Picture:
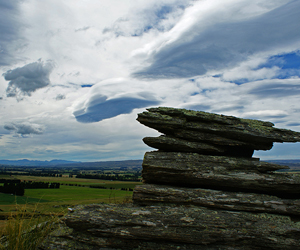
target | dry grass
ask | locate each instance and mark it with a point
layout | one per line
(26, 230)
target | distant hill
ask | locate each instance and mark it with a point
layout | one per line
(293, 164)
(137, 164)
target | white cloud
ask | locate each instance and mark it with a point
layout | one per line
(129, 55)
(266, 113)
(214, 37)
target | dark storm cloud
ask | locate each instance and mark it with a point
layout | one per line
(28, 79)
(225, 44)
(9, 30)
(24, 128)
(101, 109)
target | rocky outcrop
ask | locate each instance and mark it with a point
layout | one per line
(234, 136)
(203, 190)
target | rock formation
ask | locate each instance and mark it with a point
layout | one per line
(203, 190)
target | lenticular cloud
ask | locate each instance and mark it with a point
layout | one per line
(102, 108)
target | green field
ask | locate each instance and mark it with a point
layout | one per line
(7, 199)
(78, 195)
(72, 192)
(65, 194)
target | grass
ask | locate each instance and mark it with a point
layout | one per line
(6, 199)
(24, 226)
(25, 231)
(77, 195)
(58, 200)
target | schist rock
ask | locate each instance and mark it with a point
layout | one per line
(234, 136)
(152, 194)
(218, 172)
(202, 190)
(127, 226)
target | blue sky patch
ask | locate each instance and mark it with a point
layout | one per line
(288, 63)
(285, 61)
(163, 11)
(86, 85)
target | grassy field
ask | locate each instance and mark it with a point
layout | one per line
(57, 201)
(85, 182)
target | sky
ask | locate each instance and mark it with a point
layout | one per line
(75, 74)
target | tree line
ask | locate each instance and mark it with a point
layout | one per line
(116, 177)
(16, 187)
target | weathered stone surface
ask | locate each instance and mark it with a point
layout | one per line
(174, 227)
(151, 194)
(195, 125)
(198, 160)
(217, 172)
(168, 143)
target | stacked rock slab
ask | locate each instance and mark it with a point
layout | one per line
(202, 190)
(205, 160)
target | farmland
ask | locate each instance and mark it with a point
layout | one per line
(72, 191)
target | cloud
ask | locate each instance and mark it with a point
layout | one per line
(158, 16)
(60, 97)
(25, 128)
(267, 113)
(197, 107)
(100, 108)
(223, 39)
(277, 89)
(9, 30)
(226, 56)
(113, 97)
(27, 79)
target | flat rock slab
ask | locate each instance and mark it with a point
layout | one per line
(151, 194)
(218, 172)
(195, 125)
(173, 144)
(127, 226)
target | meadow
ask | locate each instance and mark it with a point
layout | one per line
(72, 192)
